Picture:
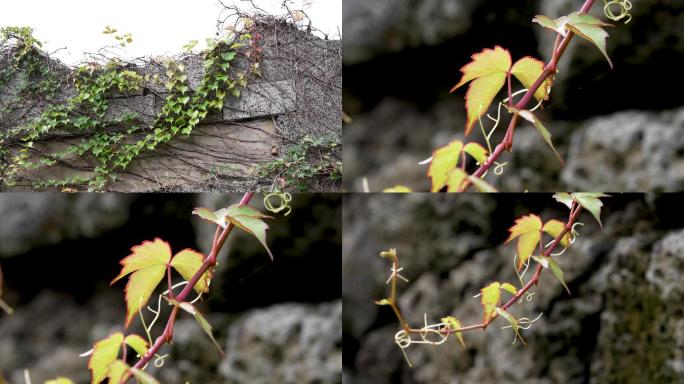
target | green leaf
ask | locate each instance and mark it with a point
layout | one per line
(481, 185)
(249, 220)
(527, 70)
(547, 22)
(443, 161)
(488, 71)
(184, 100)
(143, 377)
(203, 323)
(207, 214)
(510, 288)
(59, 380)
(137, 343)
(187, 262)
(491, 295)
(455, 180)
(554, 228)
(546, 135)
(397, 189)
(477, 151)
(118, 372)
(564, 198)
(147, 263)
(550, 263)
(105, 352)
(512, 321)
(590, 201)
(528, 231)
(589, 28)
(453, 323)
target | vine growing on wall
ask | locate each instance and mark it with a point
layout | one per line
(112, 141)
(533, 251)
(492, 70)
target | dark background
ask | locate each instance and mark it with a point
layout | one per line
(620, 324)
(401, 58)
(66, 265)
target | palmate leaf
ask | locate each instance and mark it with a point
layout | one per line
(137, 343)
(491, 295)
(444, 159)
(527, 230)
(105, 353)
(147, 265)
(554, 228)
(453, 323)
(118, 372)
(488, 71)
(564, 198)
(582, 24)
(591, 202)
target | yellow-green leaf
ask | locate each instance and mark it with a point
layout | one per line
(249, 220)
(207, 214)
(510, 288)
(545, 134)
(453, 323)
(443, 161)
(590, 201)
(549, 23)
(491, 295)
(187, 262)
(481, 185)
(105, 352)
(550, 263)
(477, 151)
(593, 33)
(143, 377)
(564, 198)
(118, 372)
(137, 343)
(528, 231)
(147, 254)
(383, 302)
(554, 228)
(455, 180)
(59, 380)
(203, 323)
(488, 71)
(512, 320)
(397, 189)
(527, 70)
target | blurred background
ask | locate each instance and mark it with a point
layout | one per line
(623, 322)
(618, 130)
(277, 321)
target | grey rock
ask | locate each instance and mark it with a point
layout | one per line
(261, 100)
(35, 220)
(286, 343)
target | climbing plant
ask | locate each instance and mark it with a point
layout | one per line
(532, 251)
(492, 70)
(112, 141)
(188, 274)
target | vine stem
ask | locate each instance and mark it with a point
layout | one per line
(574, 213)
(549, 70)
(209, 262)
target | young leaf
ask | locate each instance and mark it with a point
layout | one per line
(147, 263)
(397, 189)
(105, 352)
(481, 185)
(544, 261)
(589, 28)
(528, 229)
(564, 198)
(546, 135)
(444, 159)
(557, 272)
(491, 295)
(477, 151)
(137, 343)
(118, 372)
(59, 380)
(203, 323)
(512, 321)
(187, 262)
(143, 377)
(488, 71)
(217, 217)
(590, 201)
(510, 288)
(554, 228)
(453, 323)
(455, 179)
(383, 302)
(527, 70)
(249, 220)
(549, 23)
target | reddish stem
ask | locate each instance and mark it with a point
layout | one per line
(549, 70)
(209, 262)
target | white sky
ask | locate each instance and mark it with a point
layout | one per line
(158, 26)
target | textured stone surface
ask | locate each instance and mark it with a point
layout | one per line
(261, 100)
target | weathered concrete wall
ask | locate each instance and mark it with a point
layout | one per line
(298, 93)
